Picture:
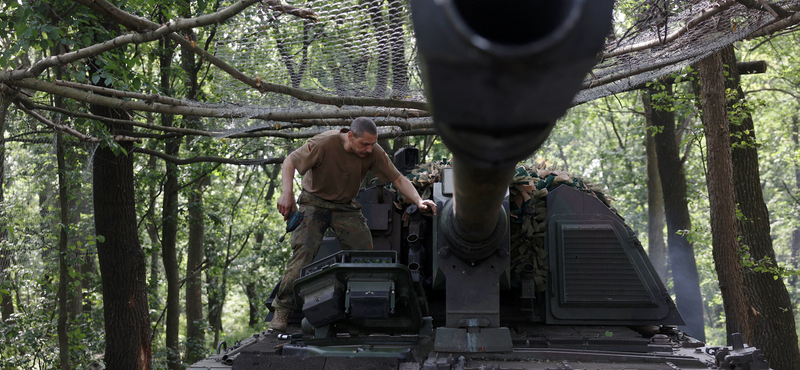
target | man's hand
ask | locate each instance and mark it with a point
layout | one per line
(286, 204)
(427, 205)
(404, 186)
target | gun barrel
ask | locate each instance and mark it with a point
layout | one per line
(498, 74)
(475, 221)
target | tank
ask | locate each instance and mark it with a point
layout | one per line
(415, 303)
(460, 290)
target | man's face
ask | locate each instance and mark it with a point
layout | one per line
(362, 145)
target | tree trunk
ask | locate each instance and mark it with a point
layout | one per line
(773, 310)
(88, 269)
(63, 239)
(252, 300)
(152, 233)
(169, 223)
(83, 258)
(379, 29)
(70, 298)
(69, 294)
(169, 254)
(221, 296)
(676, 210)
(295, 71)
(399, 64)
(722, 205)
(795, 251)
(214, 293)
(122, 260)
(250, 288)
(152, 285)
(656, 248)
(195, 335)
(6, 304)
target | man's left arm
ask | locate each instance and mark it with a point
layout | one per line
(405, 187)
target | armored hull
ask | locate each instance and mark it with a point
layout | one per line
(603, 307)
(461, 290)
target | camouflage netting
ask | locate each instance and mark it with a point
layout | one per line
(350, 48)
(527, 203)
(668, 36)
(425, 174)
(287, 68)
(366, 48)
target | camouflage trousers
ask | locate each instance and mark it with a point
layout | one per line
(347, 223)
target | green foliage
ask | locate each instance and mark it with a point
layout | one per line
(33, 329)
(602, 140)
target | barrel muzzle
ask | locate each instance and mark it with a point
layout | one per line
(498, 74)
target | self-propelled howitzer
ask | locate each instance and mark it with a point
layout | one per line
(441, 292)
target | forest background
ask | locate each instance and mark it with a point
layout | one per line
(142, 140)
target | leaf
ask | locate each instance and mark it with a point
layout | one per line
(8, 230)
(213, 216)
(20, 28)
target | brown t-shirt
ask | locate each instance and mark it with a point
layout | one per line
(333, 174)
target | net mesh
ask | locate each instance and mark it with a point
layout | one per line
(366, 48)
(347, 49)
(351, 49)
(665, 39)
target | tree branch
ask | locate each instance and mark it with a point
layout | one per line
(422, 127)
(123, 94)
(276, 5)
(704, 15)
(778, 24)
(251, 162)
(27, 141)
(132, 38)
(70, 130)
(614, 125)
(744, 68)
(776, 10)
(198, 269)
(797, 202)
(138, 23)
(773, 89)
(205, 110)
(200, 159)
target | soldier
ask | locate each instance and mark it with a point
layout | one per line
(334, 164)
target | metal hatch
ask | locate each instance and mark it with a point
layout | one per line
(599, 272)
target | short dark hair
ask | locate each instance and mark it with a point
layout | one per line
(362, 125)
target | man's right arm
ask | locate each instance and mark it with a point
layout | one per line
(286, 202)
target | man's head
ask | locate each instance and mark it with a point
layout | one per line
(362, 136)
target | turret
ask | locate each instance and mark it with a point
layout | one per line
(498, 74)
